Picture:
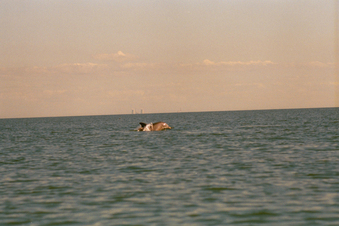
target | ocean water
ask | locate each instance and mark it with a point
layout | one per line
(272, 167)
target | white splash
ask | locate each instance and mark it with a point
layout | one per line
(148, 127)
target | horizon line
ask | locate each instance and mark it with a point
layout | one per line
(174, 112)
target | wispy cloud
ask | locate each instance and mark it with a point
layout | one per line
(228, 65)
(80, 68)
(207, 62)
(117, 57)
(318, 64)
(123, 66)
(74, 68)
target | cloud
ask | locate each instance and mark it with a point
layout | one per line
(80, 68)
(237, 63)
(126, 67)
(75, 89)
(227, 65)
(319, 64)
(117, 57)
(208, 65)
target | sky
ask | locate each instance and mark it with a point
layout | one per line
(103, 57)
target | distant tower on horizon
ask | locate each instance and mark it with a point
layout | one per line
(133, 111)
(142, 111)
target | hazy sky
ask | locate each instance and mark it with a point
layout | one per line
(93, 57)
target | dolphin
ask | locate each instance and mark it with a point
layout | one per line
(154, 126)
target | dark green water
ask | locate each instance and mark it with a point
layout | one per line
(278, 167)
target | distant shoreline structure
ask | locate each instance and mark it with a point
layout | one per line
(173, 112)
(135, 112)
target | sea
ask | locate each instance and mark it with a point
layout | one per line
(263, 167)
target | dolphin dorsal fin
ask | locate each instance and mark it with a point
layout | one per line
(142, 124)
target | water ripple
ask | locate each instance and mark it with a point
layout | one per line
(215, 168)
